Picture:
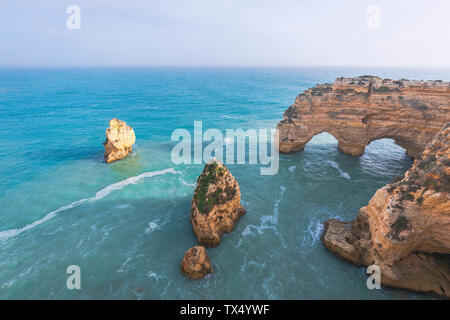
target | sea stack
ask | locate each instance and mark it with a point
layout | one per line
(405, 228)
(119, 140)
(216, 205)
(359, 110)
(195, 264)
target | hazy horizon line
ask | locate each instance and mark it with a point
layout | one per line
(225, 66)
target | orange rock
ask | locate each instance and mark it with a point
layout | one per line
(337, 237)
(195, 264)
(359, 110)
(119, 140)
(405, 228)
(216, 205)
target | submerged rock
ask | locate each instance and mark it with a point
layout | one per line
(216, 205)
(195, 264)
(119, 140)
(405, 228)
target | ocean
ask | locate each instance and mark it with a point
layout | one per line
(126, 224)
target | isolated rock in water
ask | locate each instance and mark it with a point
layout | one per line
(119, 140)
(405, 229)
(195, 264)
(359, 110)
(216, 205)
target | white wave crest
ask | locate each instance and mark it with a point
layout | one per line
(152, 226)
(313, 232)
(230, 117)
(267, 221)
(7, 234)
(342, 173)
(186, 183)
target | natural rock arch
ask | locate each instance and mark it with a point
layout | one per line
(357, 111)
(335, 140)
(379, 143)
(353, 143)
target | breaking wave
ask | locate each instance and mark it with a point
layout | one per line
(342, 173)
(4, 235)
(267, 221)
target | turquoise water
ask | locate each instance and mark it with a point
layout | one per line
(61, 205)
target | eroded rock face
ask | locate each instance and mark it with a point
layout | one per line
(216, 205)
(405, 229)
(119, 140)
(195, 264)
(359, 110)
(337, 237)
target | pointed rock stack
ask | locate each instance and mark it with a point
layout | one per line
(216, 206)
(119, 140)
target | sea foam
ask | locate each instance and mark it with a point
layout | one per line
(7, 234)
(267, 221)
(342, 173)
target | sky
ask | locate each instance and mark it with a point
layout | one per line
(226, 33)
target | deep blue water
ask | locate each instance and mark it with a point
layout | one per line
(129, 238)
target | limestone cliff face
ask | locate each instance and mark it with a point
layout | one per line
(359, 110)
(196, 264)
(216, 205)
(119, 140)
(405, 229)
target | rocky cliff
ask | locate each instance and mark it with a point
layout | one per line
(405, 228)
(359, 110)
(119, 140)
(216, 205)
